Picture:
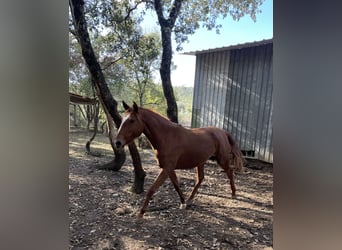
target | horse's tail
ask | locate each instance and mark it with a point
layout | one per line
(237, 154)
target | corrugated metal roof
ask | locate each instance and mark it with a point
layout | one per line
(237, 46)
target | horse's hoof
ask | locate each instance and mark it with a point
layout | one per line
(140, 215)
(182, 206)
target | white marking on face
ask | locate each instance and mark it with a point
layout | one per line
(123, 121)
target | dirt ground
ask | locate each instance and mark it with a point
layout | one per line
(102, 209)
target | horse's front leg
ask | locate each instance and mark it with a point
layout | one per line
(163, 175)
(175, 183)
(199, 179)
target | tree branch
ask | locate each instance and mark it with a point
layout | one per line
(159, 10)
(73, 32)
(177, 4)
(111, 63)
(132, 9)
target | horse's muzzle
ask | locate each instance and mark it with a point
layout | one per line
(118, 144)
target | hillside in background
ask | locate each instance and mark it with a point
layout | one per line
(153, 99)
(184, 96)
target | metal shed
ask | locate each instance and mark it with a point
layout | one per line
(233, 91)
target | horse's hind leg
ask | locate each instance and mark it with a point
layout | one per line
(230, 174)
(199, 179)
(175, 183)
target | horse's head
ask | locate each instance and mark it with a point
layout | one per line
(131, 126)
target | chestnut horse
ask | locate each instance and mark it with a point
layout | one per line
(176, 147)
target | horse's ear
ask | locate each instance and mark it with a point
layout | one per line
(125, 105)
(135, 107)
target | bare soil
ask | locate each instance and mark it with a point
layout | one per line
(102, 208)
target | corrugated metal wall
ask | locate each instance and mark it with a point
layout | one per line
(233, 91)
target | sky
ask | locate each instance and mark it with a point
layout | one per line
(231, 33)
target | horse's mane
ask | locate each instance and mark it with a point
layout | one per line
(160, 118)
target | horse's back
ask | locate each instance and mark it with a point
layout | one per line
(217, 134)
(199, 144)
(191, 147)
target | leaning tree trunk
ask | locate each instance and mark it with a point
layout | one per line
(166, 26)
(95, 117)
(102, 126)
(102, 90)
(120, 155)
(96, 121)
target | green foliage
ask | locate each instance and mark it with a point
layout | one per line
(155, 99)
(129, 58)
(196, 13)
(141, 63)
(78, 75)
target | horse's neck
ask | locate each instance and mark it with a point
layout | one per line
(156, 127)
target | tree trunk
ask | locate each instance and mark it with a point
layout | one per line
(102, 127)
(82, 113)
(165, 74)
(96, 121)
(139, 173)
(88, 112)
(120, 155)
(102, 90)
(166, 26)
(75, 116)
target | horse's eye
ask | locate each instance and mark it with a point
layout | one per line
(131, 121)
